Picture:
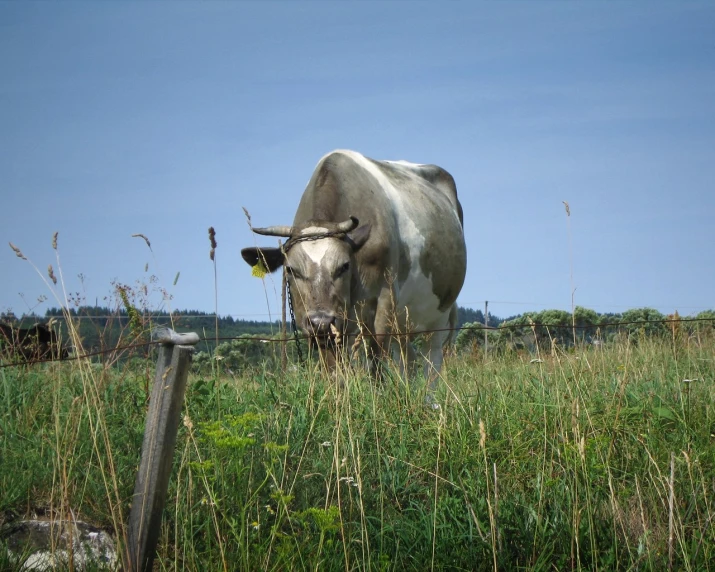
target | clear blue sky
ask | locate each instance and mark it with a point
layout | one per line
(165, 118)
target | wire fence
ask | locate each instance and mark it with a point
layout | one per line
(293, 336)
(474, 305)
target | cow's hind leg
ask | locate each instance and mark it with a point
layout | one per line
(435, 354)
(434, 358)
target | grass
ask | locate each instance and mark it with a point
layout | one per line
(553, 465)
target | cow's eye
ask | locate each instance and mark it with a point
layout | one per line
(294, 273)
(342, 269)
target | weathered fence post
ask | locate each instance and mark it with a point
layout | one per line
(162, 424)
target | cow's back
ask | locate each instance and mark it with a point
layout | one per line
(439, 179)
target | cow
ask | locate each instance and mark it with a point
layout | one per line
(376, 246)
(38, 342)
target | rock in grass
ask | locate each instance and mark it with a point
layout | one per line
(48, 544)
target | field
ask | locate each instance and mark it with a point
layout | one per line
(595, 458)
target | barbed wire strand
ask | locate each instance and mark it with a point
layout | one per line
(477, 327)
(469, 306)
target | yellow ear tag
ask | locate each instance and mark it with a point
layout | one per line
(259, 270)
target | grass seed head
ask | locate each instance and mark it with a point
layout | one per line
(51, 274)
(54, 240)
(337, 336)
(17, 252)
(214, 244)
(140, 235)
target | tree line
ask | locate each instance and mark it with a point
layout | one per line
(234, 344)
(584, 326)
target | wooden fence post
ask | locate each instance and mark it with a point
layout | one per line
(162, 424)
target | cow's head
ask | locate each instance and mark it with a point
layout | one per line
(320, 262)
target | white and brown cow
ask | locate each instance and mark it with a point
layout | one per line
(375, 242)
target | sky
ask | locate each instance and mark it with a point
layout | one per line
(166, 118)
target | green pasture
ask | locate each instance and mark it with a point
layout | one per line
(591, 458)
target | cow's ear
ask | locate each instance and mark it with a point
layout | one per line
(270, 256)
(359, 236)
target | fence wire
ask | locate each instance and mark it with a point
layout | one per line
(296, 336)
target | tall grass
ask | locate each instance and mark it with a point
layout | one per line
(559, 464)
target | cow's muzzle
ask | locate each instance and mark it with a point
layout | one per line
(325, 328)
(319, 323)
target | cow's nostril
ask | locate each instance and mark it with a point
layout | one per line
(320, 322)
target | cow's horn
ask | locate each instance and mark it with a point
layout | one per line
(348, 225)
(274, 231)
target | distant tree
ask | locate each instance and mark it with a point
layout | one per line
(642, 322)
(708, 315)
(554, 325)
(517, 334)
(470, 316)
(8, 317)
(201, 362)
(705, 327)
(587, 322)
(470, 336)
(243, 353)
(585, 317)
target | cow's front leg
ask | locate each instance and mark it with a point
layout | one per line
(435, 356)
(384, 325)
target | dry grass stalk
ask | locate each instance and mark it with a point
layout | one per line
(490, 506)
(671, 502)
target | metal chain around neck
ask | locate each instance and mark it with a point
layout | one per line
(293, 324)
